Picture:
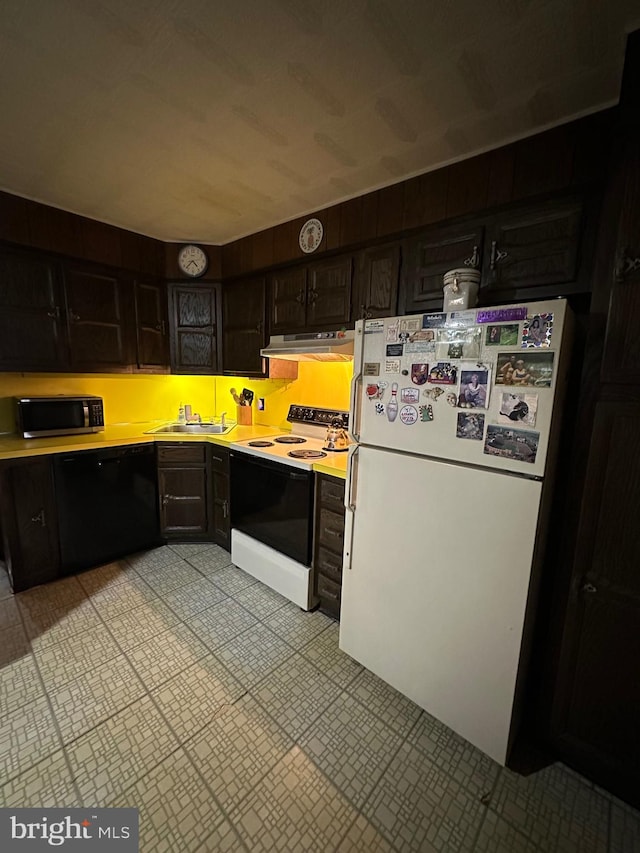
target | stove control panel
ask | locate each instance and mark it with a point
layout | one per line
(317, 417)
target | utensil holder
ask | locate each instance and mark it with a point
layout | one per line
(245, 415)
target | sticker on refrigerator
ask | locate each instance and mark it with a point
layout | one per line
(432, 393)
(371, 368)
(536, 331)
(433, 321)
(451, 398)
(410, 324)
(392, 333)
(533, 368)
(392, 405)
(443, 373)
(375, 390)
(474, 388)
(458, 343)
(518, 408)
(420, 346)
(408, 415)
(518, 444)
(461, 318)
(409, 395)
(379, 408)
(506, 336)
(419, 373)
(424, 335)
(392, 365)
(426, 413)
(470, 425)
(501, 315)
(373, 327)
(394, 349)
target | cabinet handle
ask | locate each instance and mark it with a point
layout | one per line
(166, 499)
(300, 296)
(336, 533)
(624, 265)
(474, 259)
(73, 316)
(589, 587)
(55, 314)
(40, 518)
(313, 296)
(225, 509)
(161, 327)
(363, 312)
(259, 327)
(497, 255)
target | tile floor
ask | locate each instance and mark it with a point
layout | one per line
(175, 683)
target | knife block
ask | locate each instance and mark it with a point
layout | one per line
(245, 415)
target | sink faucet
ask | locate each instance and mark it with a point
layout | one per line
(222, 420)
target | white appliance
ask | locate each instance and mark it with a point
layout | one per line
(457, 418)
(272, 502)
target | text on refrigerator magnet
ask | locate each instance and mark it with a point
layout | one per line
(373, 327)
(501, 315)
(409, 395)
(371, 368)
(433, 321)
(392, 365)
(408, 415)
(394, 350)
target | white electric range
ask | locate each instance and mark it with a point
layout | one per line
(272, 502)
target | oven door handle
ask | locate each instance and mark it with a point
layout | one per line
(280, 467)
(350, 495)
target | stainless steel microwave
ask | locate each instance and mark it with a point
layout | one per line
(38, 417)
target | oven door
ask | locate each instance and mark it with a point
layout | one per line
(273, 503)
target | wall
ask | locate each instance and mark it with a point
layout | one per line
(133, 399)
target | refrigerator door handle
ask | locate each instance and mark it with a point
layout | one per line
(350, 506)
(355, 402)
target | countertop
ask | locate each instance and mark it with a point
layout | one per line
(13, 447)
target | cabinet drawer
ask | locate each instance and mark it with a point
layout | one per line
(332, 494)
(329, 594)
(331, 530)
(329, 564)
(181, 453)
(219, 459)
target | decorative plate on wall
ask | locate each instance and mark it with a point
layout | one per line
(310, 235)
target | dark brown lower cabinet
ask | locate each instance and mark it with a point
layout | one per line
(221, 491)
(29, 522)
(328, 543)
(184, 490)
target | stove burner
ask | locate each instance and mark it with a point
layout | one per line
(306, 454)
(260, 444)
(290, 439)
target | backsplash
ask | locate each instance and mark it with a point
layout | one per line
(140, 398)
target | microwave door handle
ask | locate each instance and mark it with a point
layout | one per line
(351, 493)
(85, 409)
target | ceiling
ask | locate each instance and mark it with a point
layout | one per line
(207, 120)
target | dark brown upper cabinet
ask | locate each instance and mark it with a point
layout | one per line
(99, 311)
(244, 311)
(428, 256)
(289, 300)
(194, 313)
(530, 253)
(152, 326)
(32, 327)
(316, 296)
(375, 282)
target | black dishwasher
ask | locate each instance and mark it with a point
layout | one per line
(107, 503)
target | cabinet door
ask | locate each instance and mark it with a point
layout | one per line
(329, 293)
(195, 326)
(31, 328)
(533, 252)
(152, 328)
(289, 300)
(425, 260)
(221, 495)
(375, 285)
(29, 523)
(98, 308)
(243, 320)
(183, 500)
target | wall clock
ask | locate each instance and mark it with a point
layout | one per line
(310, 235)
(192, 261)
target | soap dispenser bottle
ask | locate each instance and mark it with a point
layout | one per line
(181, 414)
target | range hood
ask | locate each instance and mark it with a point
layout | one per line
(311, 346)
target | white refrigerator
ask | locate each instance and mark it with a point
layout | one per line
(456, 418)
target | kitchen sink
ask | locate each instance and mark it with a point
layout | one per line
(192, 429)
